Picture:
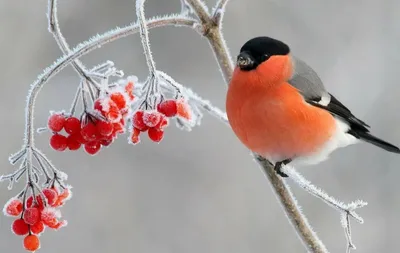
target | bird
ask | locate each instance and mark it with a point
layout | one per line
(279, 108)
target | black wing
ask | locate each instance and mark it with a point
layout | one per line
(358, 128)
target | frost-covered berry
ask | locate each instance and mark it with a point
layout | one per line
(129, 90)
(183, 109)
(31, 215)
(19, 227)
(155, 134)
(106, 141)
(119, 99)
(151, 118)
(89, 132)
(39, 202)
(56, 122)
(72, 125)
(72, 142)
(138, 122)
(38, 228)
(58, 142)
(168, 108)
(104, 128)
(92, 147)
(163, 122)
(50, 195)
(31, 243)
(13, 207)
(135, 136)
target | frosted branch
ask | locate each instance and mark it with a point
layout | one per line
(346, 210)
(200, 9)
(185, 8)
(54, 29)
(218, 11)
(144, 36)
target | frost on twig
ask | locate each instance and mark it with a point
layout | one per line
(218, 11)
(346, 210)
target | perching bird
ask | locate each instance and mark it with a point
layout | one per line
(278, 107)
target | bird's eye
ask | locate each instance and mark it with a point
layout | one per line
(264, 57)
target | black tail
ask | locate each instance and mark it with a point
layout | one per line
(367, 137)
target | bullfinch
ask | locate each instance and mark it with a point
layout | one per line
(279, 108)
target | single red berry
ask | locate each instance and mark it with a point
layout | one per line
(31, 243)
(138, 121)
(31, 215)
(97, 106)
(49, 217)
(163, 122)
(151, 118)
(58, 142)
(155, 134)
(119, 99)
(72, 125)
(183, 109)
(92, 147)
(19, 227)
(39, 202)
(79, 138)
(72, 142)
(168, 108)
(56, 122)
(13, 207)
(135, 136)
(50, 195)
(106, 141)
(38, 228)
(104, 128)
(113, 113)
(129, 90)
(89, 132)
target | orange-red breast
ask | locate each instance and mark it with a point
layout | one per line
(278, 108)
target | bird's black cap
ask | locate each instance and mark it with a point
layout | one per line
(258, 50)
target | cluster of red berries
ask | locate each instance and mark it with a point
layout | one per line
(154, 122)
(35, 214)
(96, 132)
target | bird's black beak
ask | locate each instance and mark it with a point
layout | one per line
(245, 61)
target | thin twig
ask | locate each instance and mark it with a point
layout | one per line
(144, 35)
(218, 11)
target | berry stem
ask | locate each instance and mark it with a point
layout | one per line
(75, 101)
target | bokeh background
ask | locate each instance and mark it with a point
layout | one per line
(201, 191)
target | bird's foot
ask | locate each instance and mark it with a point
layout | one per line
(278, 167)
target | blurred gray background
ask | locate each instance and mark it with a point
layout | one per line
(200, 191)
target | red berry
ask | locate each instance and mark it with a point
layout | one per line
(58, 142)
(38, 228)
(151, 118)
(72, 125)
(72, 142)
(183, 109)
(39, 202)
(56, 122)
(113, 113)
(168, 108)
(104, 128)
(49, 217)
(92, 147)
(155, 134)
(129, 90)
(79, 138)
(50, 195)
(135, 136)
(138, 121)
(106, 141)
(31, 243)
(163, 122)
(19, 227)
(97, 106)
(119, 99)
(31, 215)
(13, 207)
(89, 132)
